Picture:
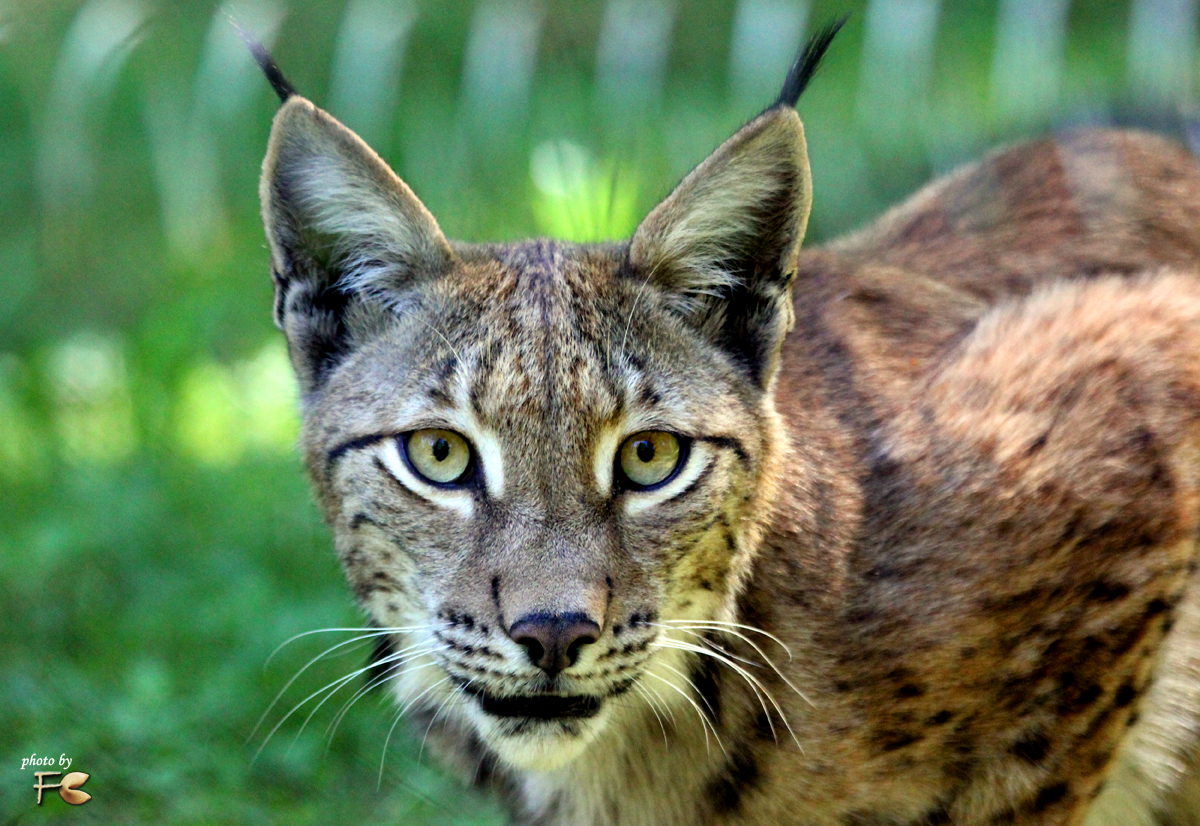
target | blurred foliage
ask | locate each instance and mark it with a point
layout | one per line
(157, 540)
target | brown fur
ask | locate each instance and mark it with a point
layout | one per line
(962, 493)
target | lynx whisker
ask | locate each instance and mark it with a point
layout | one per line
(704, 722)
(653, 708)
(302, 670)
(388, 674)
(373, 632)
(403, 710)
(666, 707)
(722, 627)
(760, 691)
(332, 687)
(633, 309)
(324, 654)
(721, 624)
(707, 644)
(696, 633)
(457, 692)
(399, 658)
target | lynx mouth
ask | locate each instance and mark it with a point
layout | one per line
(538, 706)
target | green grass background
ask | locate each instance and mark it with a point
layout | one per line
(157, 539)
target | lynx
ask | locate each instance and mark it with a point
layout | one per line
(698, 528)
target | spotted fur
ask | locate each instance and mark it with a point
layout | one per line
(930, 559)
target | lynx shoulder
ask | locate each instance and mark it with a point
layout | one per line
(703, 528)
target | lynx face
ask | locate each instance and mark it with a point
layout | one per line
(536, 456)
(588, 485)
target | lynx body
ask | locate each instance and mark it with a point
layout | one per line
(699, 528)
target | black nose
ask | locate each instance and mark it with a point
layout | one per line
(552, 641)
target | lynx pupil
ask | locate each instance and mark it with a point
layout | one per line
(441, 449)
(645, 451)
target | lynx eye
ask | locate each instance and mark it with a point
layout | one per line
(648, 459)
(439, 456)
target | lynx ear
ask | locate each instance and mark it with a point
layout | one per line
(722, 247)
(344, 232)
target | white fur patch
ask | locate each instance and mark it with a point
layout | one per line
(487, 444)
(605, 454)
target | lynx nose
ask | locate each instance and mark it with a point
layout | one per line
(552, 641)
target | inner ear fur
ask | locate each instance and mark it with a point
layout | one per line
(347, 236)
(722, 247)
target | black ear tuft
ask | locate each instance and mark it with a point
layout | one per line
(267, 63)
(807, 63)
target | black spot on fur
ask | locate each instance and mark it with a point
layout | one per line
(938, 817)
(1108, 591)
(941, 718)
(895, 740)
(729, 443)
(739, 775)
(1070, 531)
(496, 600)
(379, 666)
(360, 519)
(909, 690)
(705, 677)
(1073, 697)
(1125, 695)
(1050, 795)
(1038, 444)
(1031, 748)
(648, 396)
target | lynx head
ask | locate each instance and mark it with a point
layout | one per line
(535, 456)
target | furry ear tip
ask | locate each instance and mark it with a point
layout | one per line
(269, 67)
(808, 62)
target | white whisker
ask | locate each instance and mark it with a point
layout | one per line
(458, 691)
(760, 691)
(724, 628)
(374, 632)
(397, 658)
(704, 721)
(387, 675)
(720, 624)
(333, 687)
(653, 707)
(691, 633)
(307, 666)
(403, 710)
